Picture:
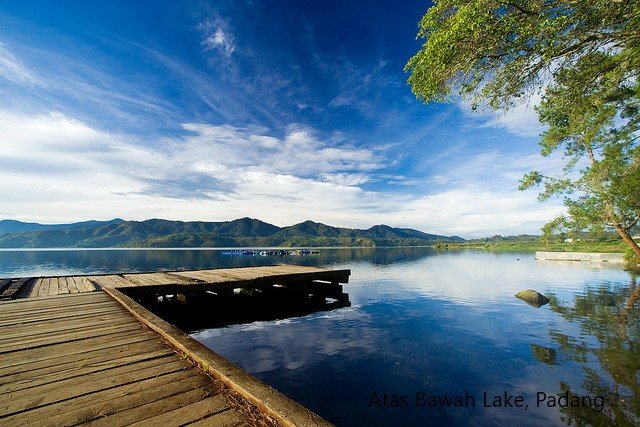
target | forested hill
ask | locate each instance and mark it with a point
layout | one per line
(244, 232)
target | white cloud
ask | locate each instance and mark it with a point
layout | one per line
(475, 212)
(56, 168)
(521, 119)
(299, 153)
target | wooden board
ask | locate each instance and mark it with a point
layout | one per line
(83, 358)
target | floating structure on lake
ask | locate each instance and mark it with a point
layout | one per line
(78, 349)
(271, 252)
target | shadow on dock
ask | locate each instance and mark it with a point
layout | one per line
(203, 310)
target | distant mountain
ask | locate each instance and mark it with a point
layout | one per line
(13, 226)
(243, 232)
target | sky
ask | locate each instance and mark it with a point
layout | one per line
(278, 110)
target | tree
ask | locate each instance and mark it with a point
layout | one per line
(583, 56)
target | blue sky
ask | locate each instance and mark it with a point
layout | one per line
(283, 111)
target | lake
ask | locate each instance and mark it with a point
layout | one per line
(431, 337)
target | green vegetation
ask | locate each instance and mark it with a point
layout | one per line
(584, 57)
(609, 247)
(632, 261)
(244, 232)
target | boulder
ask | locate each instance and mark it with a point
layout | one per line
(533, 298)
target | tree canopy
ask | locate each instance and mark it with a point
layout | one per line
(583, 57)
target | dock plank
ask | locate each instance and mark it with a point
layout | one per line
(20, 345)
(106, 402)
(157, 279)
(195, 411)
(225, 418)
(66, 372)
(71, 285)
(111, 281)
(52, 288)
(47, 316)
(43, 311)
(57, 325)
(67, 349)
(154, 410)
(84, 284)
(48, 300)
(64, 362)
(74, 387)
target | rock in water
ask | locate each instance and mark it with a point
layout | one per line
(533, 298)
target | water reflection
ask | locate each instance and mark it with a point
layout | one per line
(17, 263)
(610, 336)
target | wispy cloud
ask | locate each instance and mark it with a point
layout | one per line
(12, 69)
(217, 36)
(79, 88)
(520, 119)
(355, 84)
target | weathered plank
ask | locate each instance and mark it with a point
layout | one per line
(71, 285)
(225, 418)
(91, 383)
(62, 286)
(47, 316)
(195, 411)
(152, 413)
(84, 284)
(18, 345)
(61, 325)
(68, 349)
(33, 308)
(66, 362)
(112, 400)
(45, 301)
(111, 281)
(145, 279)
(66, 372)
(52, 288)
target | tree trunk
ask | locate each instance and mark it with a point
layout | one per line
(627, 238)
(623, 232)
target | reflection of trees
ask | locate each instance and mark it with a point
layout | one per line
(611, 315)
(118, 261)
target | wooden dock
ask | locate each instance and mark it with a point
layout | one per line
(79, 350)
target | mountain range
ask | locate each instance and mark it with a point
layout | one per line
(243, 232)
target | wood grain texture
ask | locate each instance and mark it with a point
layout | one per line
(83, 358)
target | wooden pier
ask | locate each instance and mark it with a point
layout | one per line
(80, 349)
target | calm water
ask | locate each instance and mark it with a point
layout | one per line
(427, 326)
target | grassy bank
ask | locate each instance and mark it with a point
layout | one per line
(613, 246)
